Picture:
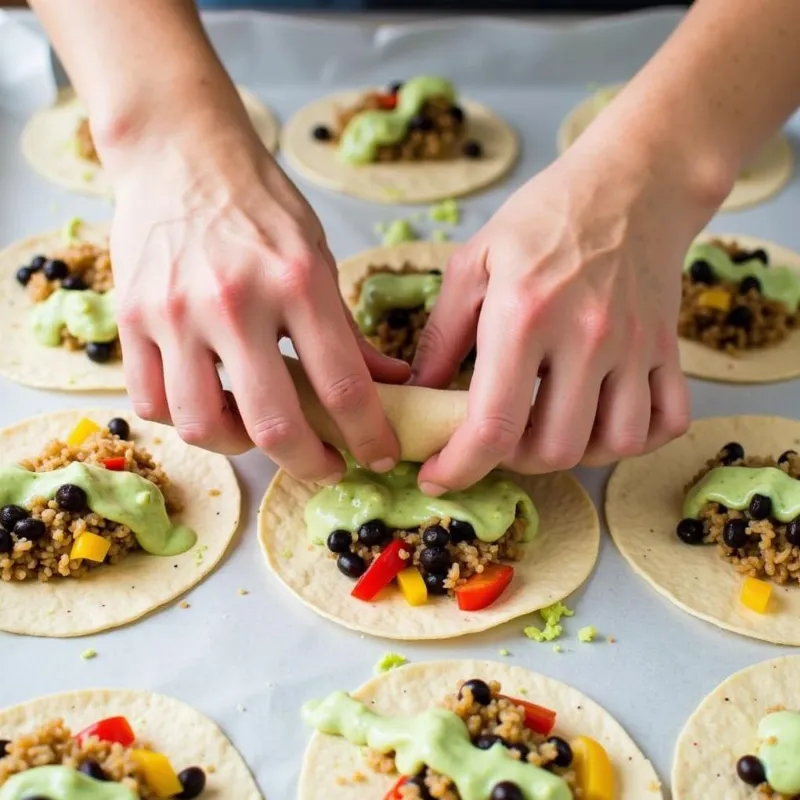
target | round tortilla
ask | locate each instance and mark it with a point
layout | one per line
(644, 503)
(556, 562)
(760, 365)
(29, 362)
(766, 176)
(414, 688)
(171, 727)
(120, 593)
(48, 142)
(724, 728)
(398, 182)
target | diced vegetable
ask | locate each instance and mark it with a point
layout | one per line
(394, 792)
(159, 772)
(413, 587)
(483, 588)
(113, 729)
(715, 298)
(90, 546)
(81, 432)
(593, 768)
(537, 718)
(387, 101)
(382, 571)
(117, 464)
(756, 594)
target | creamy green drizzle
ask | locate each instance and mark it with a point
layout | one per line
(386, 290)
(780, 284)
(369, 130)
(735, 487)
(122, 497)
(490, 505)
(87, 315)
(779, 750)
(62, 783)
(436, 738)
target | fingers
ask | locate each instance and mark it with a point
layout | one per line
(671, 403)
(144, 376)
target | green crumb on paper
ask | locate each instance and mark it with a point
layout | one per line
(587, 634)
(439, 236)
(447, 211)
(390, 661)
(398, 232)
(287, 554)
(70, 231)
(503, 652)
(522, 690)
(88, 655)
(200, 554)
(557, 648)
(380, 228)
(551, 615)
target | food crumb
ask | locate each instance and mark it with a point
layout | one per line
(200, 554)
(359, 777)
(70, 231)
(341, 781)
(243, 592)
(522, 690)
(611, 639)
(157, 440)
(392, 193)
(551, 615)
(88, 655)
(447, 211)
(503, 652)
(439, 235)
(211, 769)
(399, 231)
(557, 648)
(587, 634)
(390, 661)
(214, 492)
(287, 554)
(87, 177)
(240, 708)
(184, 604)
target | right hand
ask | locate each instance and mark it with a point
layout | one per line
(216, 257)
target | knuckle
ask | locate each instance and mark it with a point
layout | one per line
(129, 316)
(346, 394)
(274, 433)
(296, 275)
(677, 422)
(229, 296)
(149, 411)
(174, 306)
(195, 432)
(497, 433)
(629, 443)
(595, 323)
(558, 454)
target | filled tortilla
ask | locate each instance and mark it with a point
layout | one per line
(391, 290)
(743, 741)
(117, 744)
(765, 177)
(474, 730)
(374, 554)
(414, 142)
(104, 518)
(712, 521)
(57, 306)
(56, 142)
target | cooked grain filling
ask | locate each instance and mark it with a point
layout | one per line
(441, 140)
(767, 554)
(85, 143)
(48, 557)
(762, 323)
(501, 717)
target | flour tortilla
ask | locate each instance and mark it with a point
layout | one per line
(171, 727)
(48, 142)
(766, 176)
(644, 503)
(414, 688)
(120, 593)
(763, 365)
(29, 362)
(724, 728)
(398, 182)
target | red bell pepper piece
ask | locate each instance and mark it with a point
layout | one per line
(394, 792)
(113, 729)
(382, 571)
(483, 588)
(117, 464)
(387, 101)
(537, 718)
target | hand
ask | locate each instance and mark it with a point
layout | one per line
(216, 257)
(575, 280)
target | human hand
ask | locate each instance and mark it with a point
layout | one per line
(216, 257)
(575, 280)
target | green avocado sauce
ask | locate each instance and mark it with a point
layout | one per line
(437, 738)
(369, 130)
(735, 487)
(87, 315)
(490, 505)
(62, 783)
(780, 284)
(384, 291)
(779, 750)
(122, 497)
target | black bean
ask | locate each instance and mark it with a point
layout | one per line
(690, 531)
(395, 87)
(374, 533)
(793, 532)
(4, 743)
(6, 542)
(398, 318)
(506, 790)
(93, 770)
(486, 741)
(739, 317)
(71, 498)
(322, 133)
(435, 536)
(11, 515)
(481, 693)
(74, 283)
(30, 529)
(351, 564)
(436, 560)
(24, 275)
(750, 283)
(420, 123)
(702, 272)
(434, 272)
(193, 780)
(563, 751)
(721, 508)
(457, 113)
(732, 451)
(99, 352)
(119, 427)
(760, 507)
(435, 583)
(37, 262)
(472, 149)
(734, 533)
(340, 541)
(783, 458)
(751, 770)
(56, 270)
(749, 255)
(461, 531)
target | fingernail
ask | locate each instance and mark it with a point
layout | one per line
(432, 489)
(332, 479)
(382, 464)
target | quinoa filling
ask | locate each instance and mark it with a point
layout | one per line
(729, 316)
(756, 543)
(84, 143)
(36, 542)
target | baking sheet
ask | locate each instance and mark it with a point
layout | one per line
(249, 661)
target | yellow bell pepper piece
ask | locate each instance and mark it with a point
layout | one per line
(90, 546)
(593, 768)
(756, 594)
(715, 298)
(413, 587)
(81, 432)
(158, 771)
